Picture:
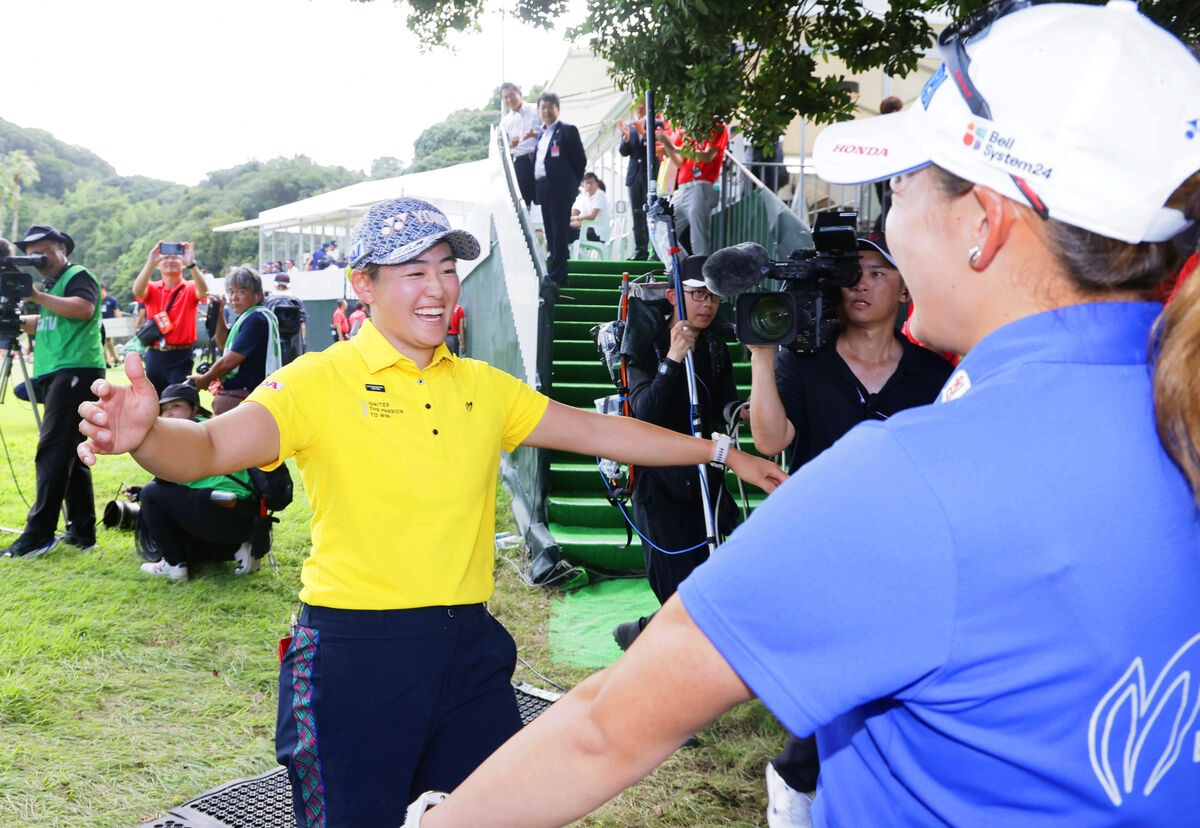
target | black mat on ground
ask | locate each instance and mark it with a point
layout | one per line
(265, 801)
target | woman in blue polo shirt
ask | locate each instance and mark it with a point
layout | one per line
(987, 608)
(397, 679)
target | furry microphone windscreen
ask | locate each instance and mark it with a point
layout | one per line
(732, 270)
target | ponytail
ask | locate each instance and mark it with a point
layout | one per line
(1177, 367)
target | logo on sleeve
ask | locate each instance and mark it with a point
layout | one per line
(958, 385)
(271, 385)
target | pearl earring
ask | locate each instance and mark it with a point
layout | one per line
(973, 255)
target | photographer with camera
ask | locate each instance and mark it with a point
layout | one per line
(804, 402)
(67, 358)
(667, 506)
(181, 524)
(171, 304)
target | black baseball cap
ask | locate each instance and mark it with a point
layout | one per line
(183, 391)
(37, 232)
(878, 242)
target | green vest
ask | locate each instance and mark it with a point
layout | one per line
(238, 482)
(68, 343)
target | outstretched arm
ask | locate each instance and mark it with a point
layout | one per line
(606, 734)
(633, 441)
(125, 419)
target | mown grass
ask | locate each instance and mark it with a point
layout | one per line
(122, 695)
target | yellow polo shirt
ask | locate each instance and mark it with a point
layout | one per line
(400, 468)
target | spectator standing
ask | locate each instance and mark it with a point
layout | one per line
(175, 299)
(520, 125)
(68, 357)
(340, 324)
(591, 205)
(357, 317)
(110, 308)
(558, 167)
(695, 188)
(292, 270)
(633, 146)
(456, 334)
(292, 317)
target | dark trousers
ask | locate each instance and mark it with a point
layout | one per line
(165, 368)
(591, 236)
(637, 204)
(378, 706)
(556, 201)
(672, 528)
(798, 764)
(183, 525)
(523, 167)
(61, 475)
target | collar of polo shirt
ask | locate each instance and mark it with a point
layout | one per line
(378, 353)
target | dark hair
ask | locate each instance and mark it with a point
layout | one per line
(1097, 265)
(595, 178)
(507, 85)
(890, 104)
(550, 98)
(246, 278)
(341, 303)
(359, 306)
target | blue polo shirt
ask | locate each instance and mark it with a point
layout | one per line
(988, 608)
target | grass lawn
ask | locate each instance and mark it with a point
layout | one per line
(122, 695)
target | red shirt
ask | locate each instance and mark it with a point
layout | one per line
(340, 322)
(710, 171)
(183, 311)
(456, 319)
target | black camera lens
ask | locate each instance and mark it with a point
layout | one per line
(771, 316)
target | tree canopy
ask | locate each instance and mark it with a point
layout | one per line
(751, 62)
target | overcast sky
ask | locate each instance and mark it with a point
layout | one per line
(173, 89)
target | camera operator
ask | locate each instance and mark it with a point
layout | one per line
(175, 299)
(666, 499)
(180, 524)
(252, 347)
(805, 402)
(68, 358)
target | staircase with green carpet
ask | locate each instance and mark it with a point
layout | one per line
(587, 528)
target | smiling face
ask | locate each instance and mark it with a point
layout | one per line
(873, 299)
(512, 99)
(411, 302)
(547, 111)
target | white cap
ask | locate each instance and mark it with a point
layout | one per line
(1094, 108)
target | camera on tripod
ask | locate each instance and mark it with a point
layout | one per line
(15, 287)
(803, 315)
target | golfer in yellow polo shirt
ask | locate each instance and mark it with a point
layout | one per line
(397, 680)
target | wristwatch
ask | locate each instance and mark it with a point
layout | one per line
(668, 366)
(193, 264)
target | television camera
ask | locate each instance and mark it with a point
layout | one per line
(802, 316)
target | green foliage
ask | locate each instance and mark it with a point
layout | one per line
(461, 137)
(754, 63)
(115, 220)
(386, 167)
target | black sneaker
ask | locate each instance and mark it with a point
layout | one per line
(624, 634)
(27, 547)
(79, 541)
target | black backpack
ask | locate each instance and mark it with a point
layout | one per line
(275, 487)
(287, 311)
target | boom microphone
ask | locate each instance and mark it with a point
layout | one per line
(732, 270)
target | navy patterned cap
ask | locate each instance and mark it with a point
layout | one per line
(399, 230)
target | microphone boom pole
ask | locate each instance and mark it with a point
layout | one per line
(663, 213)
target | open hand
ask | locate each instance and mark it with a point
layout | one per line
(120, 420)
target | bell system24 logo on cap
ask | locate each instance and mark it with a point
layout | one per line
(975, 136)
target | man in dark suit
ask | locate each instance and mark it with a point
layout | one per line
(633, 145)
(558, 166)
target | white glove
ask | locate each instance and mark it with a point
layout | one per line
(412, 817)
